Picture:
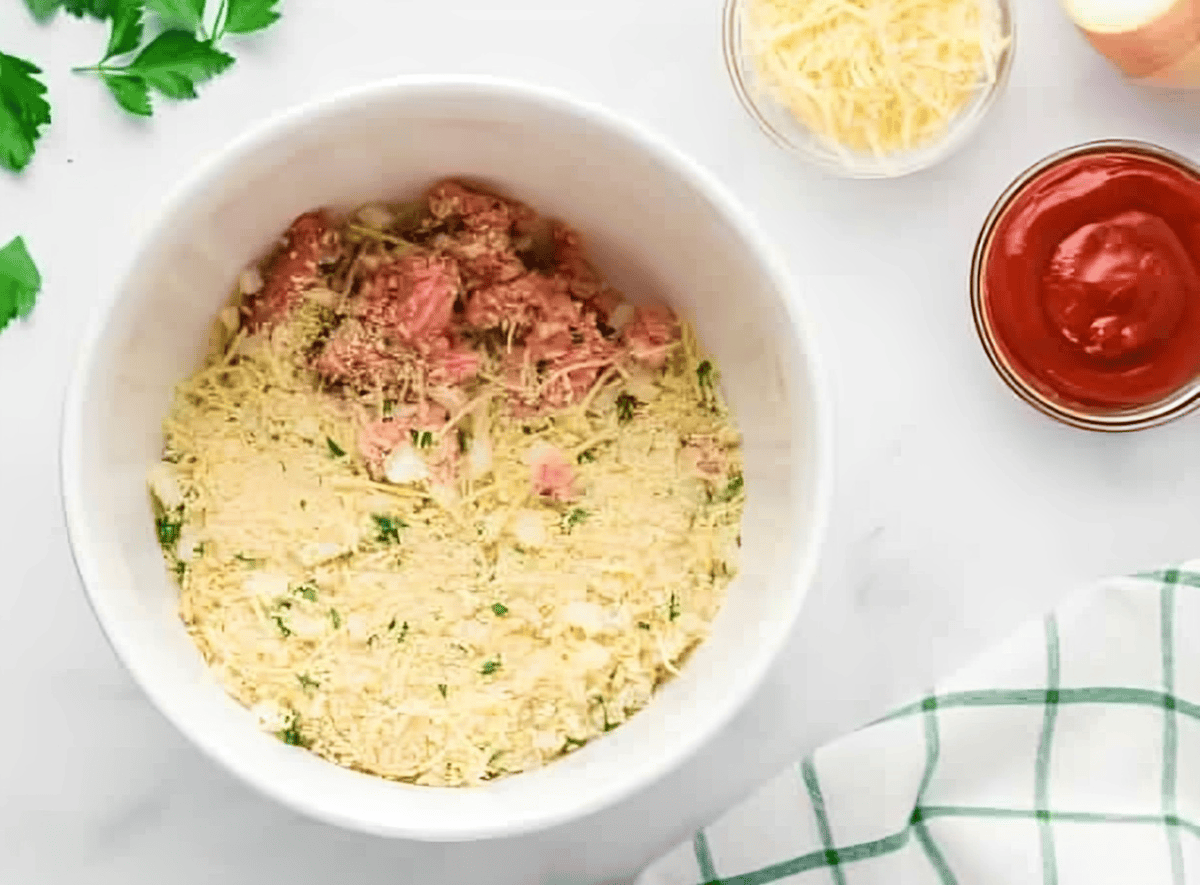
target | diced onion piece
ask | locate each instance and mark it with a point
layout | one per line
(250, 281)
(621, 315)
(479, 457)
(404, 465)
(376, 216)
(266, 586)
(529, 528)
(164, 486)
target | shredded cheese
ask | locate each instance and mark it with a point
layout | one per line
(874, 76)
(443, 634)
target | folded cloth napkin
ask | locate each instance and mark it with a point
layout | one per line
(1069, 755)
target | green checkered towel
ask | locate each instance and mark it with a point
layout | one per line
(1069, 755)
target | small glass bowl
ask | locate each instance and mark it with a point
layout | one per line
(782, 127)
(1175, 405)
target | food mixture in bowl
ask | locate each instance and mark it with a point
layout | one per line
(442, 504)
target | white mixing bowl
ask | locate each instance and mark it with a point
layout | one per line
(655, 223)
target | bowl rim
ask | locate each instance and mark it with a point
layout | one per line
(816, 423)
(1162, 411)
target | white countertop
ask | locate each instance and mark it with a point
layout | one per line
(960, 511)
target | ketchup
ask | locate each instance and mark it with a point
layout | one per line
(1092, 280)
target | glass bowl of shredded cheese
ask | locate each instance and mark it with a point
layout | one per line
(868, 88)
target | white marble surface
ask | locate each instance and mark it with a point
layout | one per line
(960, 511)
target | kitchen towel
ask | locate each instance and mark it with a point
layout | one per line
(1068, 755)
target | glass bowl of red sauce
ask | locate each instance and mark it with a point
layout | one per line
(1085, 286)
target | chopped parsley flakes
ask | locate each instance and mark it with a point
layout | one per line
(422, 439)
(500, 609)
(389, 528)
(626, 407)
(490, 667)
(291, 734)
(574, 518)
(334, 449)
(306, 682)
(308, 591)
(168, 530)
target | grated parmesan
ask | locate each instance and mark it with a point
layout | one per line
(874, 76)
(442, 633)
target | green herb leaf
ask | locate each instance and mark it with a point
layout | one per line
(126, 29)
(180, 569)
(306, 682)
(335, 618)
(673, 607)
(20, 282)
(389, 528)
(643, 625)
(307, 591)
(97, 9)
(570, 743)
(586, 457)
(704, 374)
(334, 449)
(189, 13)
(248, 560)
(168, 531)
(500, 609)
(131, 93)
(43, 10)
(283, 628)
(732, 489)
(23, 111)
(490, 667)
(248, 16)
(175, 61)
(291, 735)
(626, 407)
(403, 632)
(421, 439)
(442, 688)
(576, 517)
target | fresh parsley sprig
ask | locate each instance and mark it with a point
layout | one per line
(23, 111)
(19, 281)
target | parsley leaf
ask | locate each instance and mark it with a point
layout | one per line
(126, 31)
(291, 735)
(307, 591)
(23, 111)
(43, 10)
(19, 282)
(673, 607)
(389, 528)
(587, 456)
(442, 688)
(175, 61)
(248, 16)
(421, 439)
(168, 531)
(335, 618)
(574, 518)
(131, 93)
(626, 406)
(307, 682)
(732, 489)
(189, 13)
(334, 449)
(704, 374)
(500, 609)
(490, 667)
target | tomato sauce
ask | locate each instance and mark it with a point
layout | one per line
(1092, 280)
